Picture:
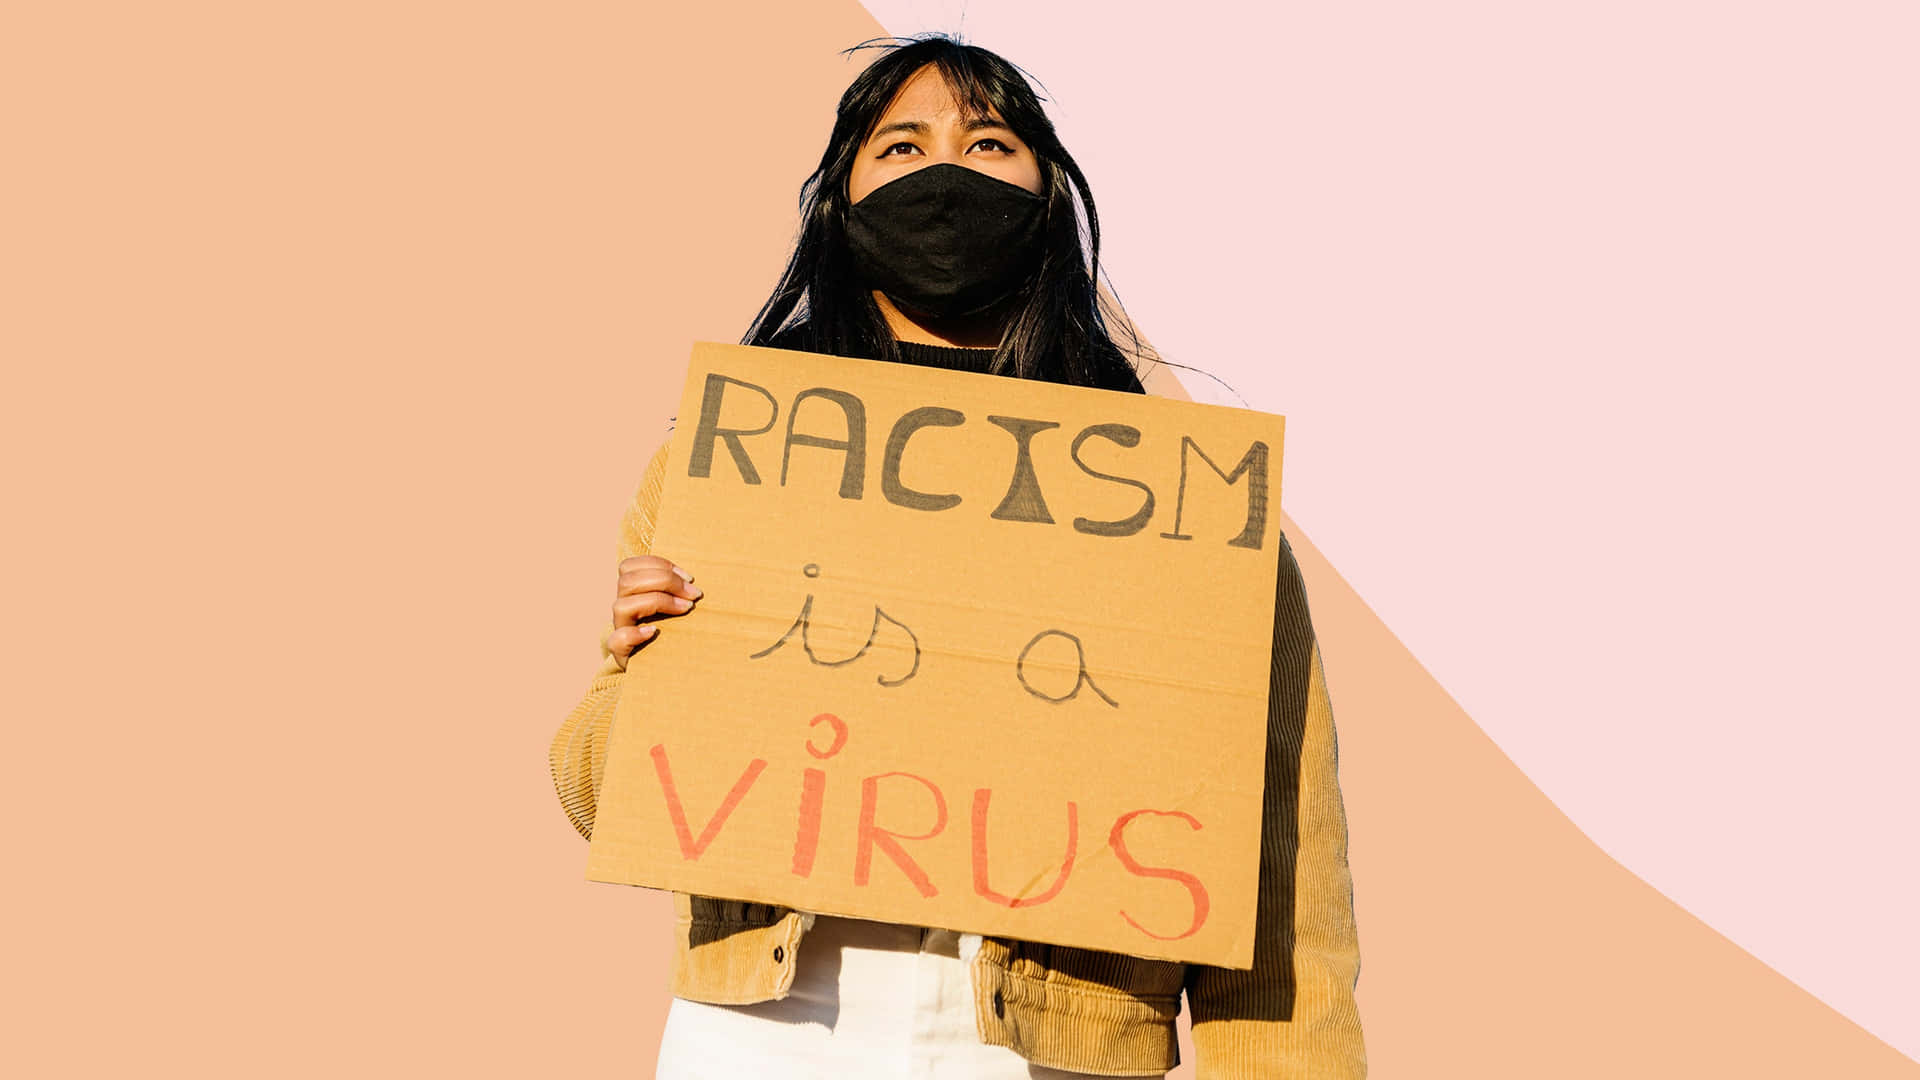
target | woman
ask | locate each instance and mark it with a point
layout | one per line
(943, 227)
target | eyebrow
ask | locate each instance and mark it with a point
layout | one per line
(920, 127)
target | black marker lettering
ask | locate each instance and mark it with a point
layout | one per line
(1128, 437)
(1254, 466)
(853, 471)
(897, 493)
(1024, 501)
(700, 461)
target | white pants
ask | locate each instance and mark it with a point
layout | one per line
(869, 1000)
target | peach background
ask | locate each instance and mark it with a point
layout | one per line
(337, 338)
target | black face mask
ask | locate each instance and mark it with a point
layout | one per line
(946, 240)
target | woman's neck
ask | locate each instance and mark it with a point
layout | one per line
(976, 332)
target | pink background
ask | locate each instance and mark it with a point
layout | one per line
(1597, 328)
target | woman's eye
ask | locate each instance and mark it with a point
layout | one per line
(900, 149)
(993, 144)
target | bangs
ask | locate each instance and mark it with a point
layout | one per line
(982, 84)
(967, 85)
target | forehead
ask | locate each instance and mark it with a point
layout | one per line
(926, 96)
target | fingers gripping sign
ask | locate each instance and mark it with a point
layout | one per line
(648, 588)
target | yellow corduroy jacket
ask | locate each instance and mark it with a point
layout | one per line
(1292, 1015)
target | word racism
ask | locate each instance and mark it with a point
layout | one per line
(871, 837)
(1024, 500)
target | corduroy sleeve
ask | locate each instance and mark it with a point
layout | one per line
(1293, 1014)
(578, 749)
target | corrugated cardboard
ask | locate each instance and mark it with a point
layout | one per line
(975, 652)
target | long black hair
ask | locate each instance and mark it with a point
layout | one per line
(1057, 330)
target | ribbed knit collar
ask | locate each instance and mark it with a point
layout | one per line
(945, 356)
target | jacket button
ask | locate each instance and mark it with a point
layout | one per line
(779, 955)
(999, 1006)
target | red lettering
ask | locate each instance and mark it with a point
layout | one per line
(981, 797)
(839, 735)
(813, 789)
(689, 847)
(1200, 903)
(872, 836)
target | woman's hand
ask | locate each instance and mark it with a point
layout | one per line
(648, 587)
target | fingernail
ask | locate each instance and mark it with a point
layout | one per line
(648, 631)
(694, 591)
(684, 576)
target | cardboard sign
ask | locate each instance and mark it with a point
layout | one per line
(975, 652)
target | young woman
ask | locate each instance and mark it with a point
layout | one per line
(944, 227)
